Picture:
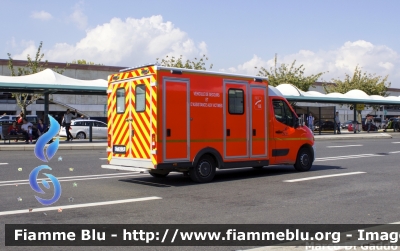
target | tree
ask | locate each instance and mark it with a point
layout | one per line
(83, 61)
(33, 66)
(196, 64)
(366, 82)
(286, 74)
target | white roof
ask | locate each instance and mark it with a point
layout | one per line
(292, 93)
(49, 79)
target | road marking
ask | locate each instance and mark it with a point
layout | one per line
(395, 152)
(348, 157)
(395, 142)
(343, 146)
(323, 176)
(3, 163)
(95, 178)
(104, 203)
(103, 158)
(73, 177)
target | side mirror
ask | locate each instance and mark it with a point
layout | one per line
(296, 122)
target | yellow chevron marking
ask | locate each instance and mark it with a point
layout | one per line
(139, 136)
(137, 144)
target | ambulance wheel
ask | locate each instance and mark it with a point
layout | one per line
(159, 174)
(304, 160)
(204, 171)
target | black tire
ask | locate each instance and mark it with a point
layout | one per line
(304, 160)
(204, 171)
(81, 135)
(159, 174)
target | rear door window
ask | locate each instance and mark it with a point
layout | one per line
(120, 100)
(140, 98)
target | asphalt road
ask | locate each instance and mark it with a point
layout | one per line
(367, 193)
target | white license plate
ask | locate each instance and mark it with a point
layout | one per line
(119, 149)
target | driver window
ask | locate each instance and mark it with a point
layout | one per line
(283, 113)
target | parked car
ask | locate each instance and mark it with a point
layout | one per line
(326, 125)
(31, 118)
(373, 127)
(346, 124)
(4, 121)
(80, 129)
(364, 127)
(393, 122)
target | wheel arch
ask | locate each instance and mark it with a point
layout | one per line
(212, 152)
(308, 147)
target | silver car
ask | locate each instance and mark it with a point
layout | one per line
(80, 129)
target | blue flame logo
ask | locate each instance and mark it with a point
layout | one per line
(40, 154)
(46, 137)
(36, 188)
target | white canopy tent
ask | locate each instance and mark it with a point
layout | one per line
(292, 93)
(48, 82)
(52, 82)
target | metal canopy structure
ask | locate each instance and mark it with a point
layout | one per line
(292, 93)
(353, 97)
(49, 82)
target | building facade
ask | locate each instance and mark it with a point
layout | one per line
(95, 105)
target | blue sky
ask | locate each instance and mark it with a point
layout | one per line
(325, 36)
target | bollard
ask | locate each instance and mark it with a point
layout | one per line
(90, 132)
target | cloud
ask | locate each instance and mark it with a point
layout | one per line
(129, 42)
(379, 59)
(29, 49)
(42, 15)
(78, 17)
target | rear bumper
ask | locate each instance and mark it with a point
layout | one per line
(126, 168)
(127, 164)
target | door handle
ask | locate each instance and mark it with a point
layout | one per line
(228, 132)
(279, 131)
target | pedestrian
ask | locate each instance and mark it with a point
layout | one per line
(310, 122)
(67, 123)
(21, 118)
(337, 121)
(41, 127)
(28, 133)
(368, 122)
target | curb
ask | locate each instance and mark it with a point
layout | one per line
(354, 136)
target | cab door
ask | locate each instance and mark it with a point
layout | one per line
(283, 133)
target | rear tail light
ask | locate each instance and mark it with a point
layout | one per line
(153, 141)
